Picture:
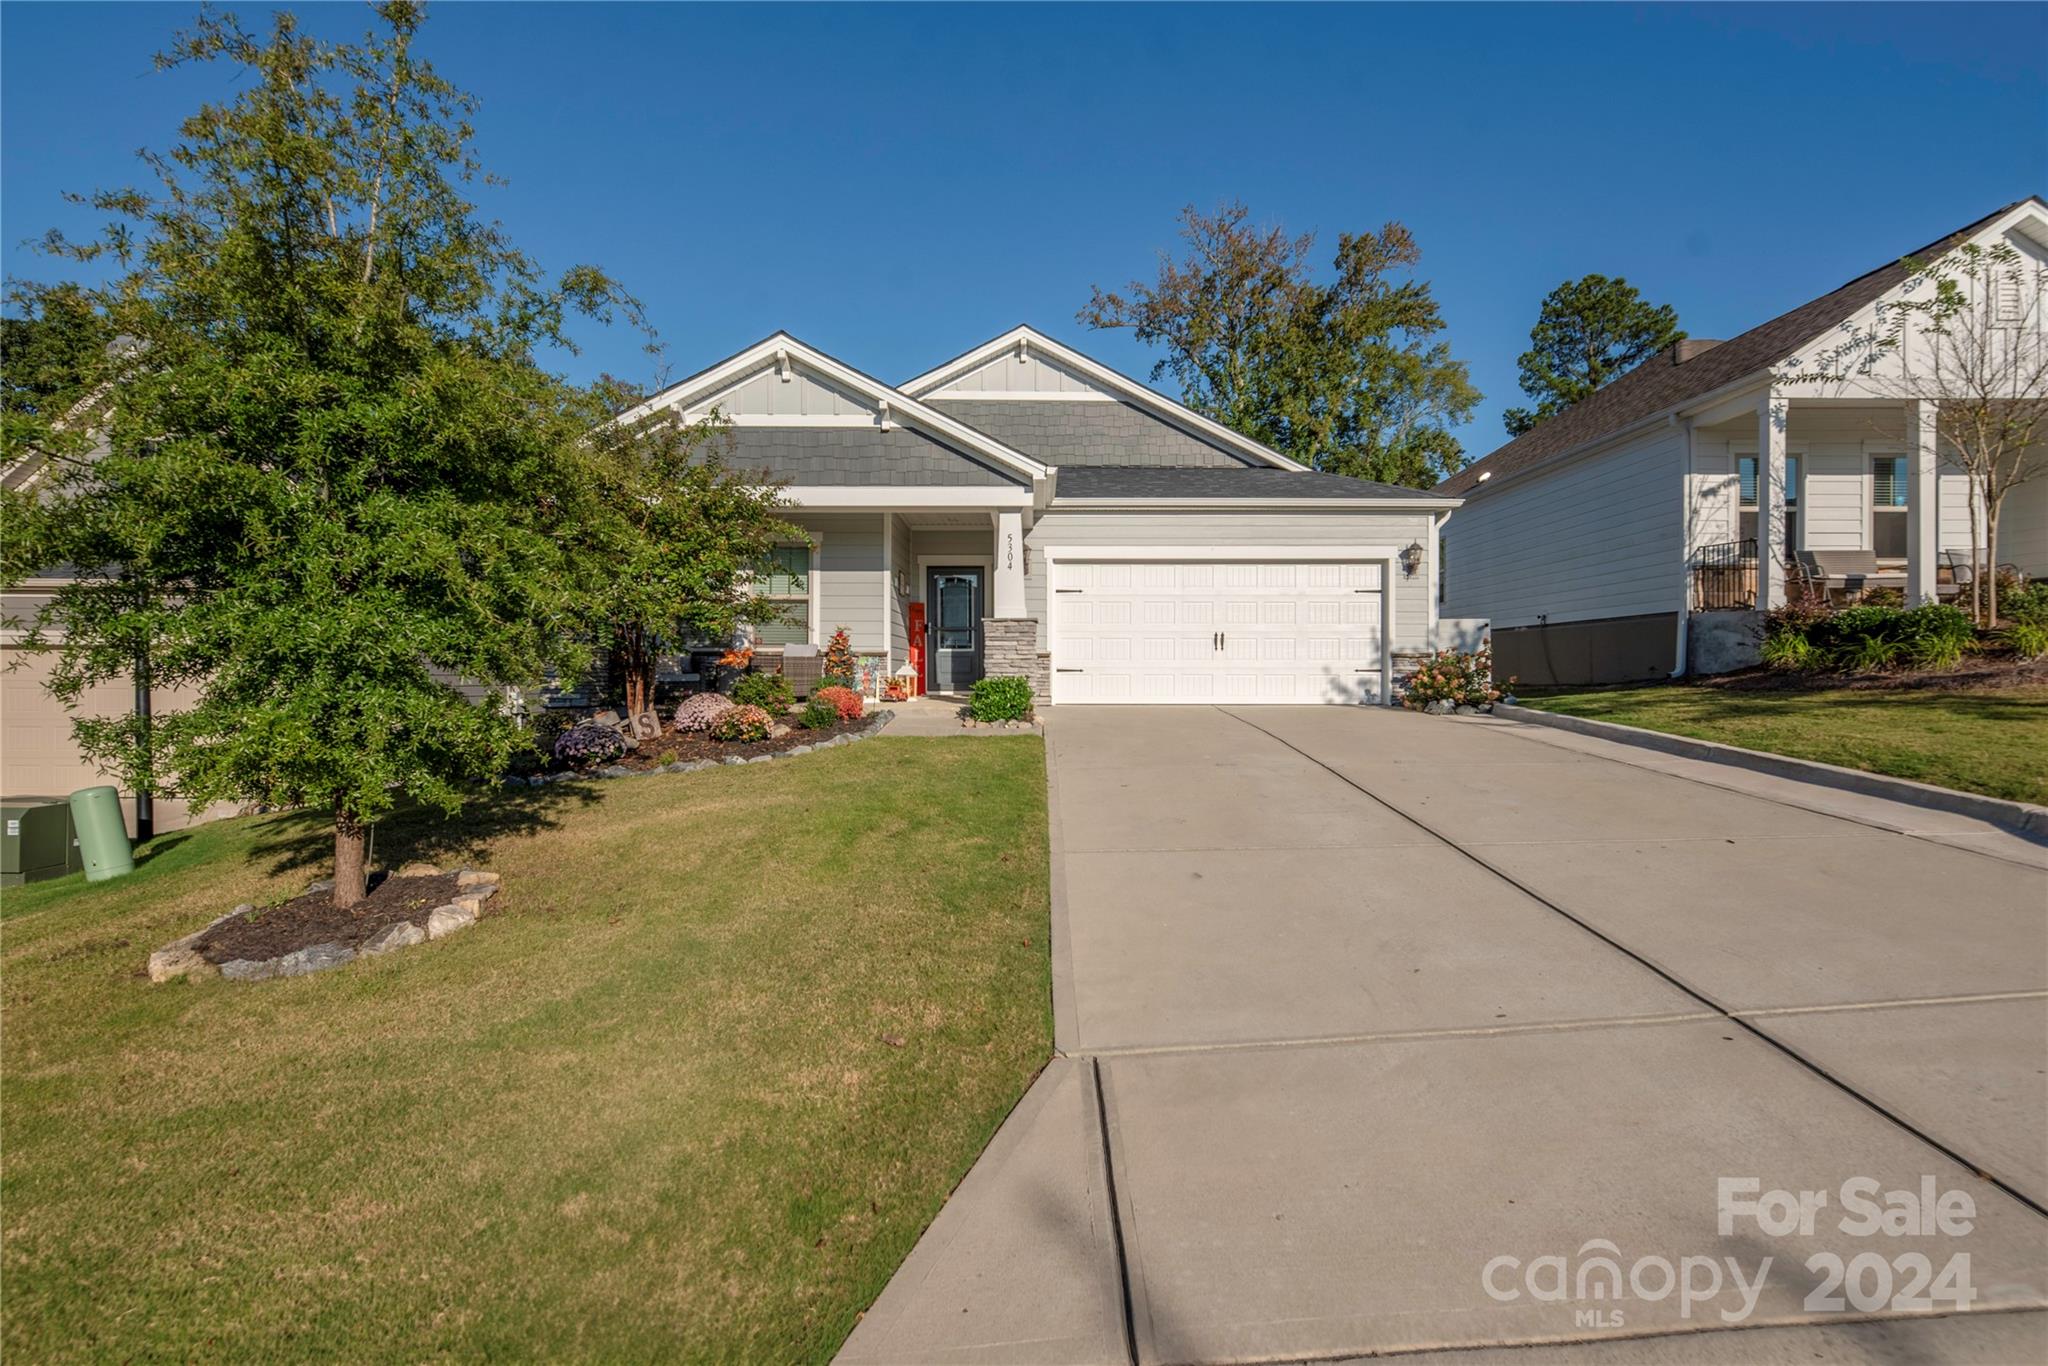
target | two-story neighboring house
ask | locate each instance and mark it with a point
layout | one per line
(1619, 539)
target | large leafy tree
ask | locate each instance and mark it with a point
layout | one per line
(677, 537)
(331, 462)
(1588, 331)
(1348, 374)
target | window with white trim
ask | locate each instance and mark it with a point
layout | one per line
(787, 583)
(1888, 506)
(1745, 473)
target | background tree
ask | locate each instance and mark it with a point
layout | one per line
(1967, 333)
(1349, 375)
(674, 539)
(1589, 331)
(332, 462)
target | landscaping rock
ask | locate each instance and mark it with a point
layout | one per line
(325, 884)
(417, 870)
(732, 759)
(476, 877)
(1468, 711)
(244, 970)
(179, 960)
(800, 749)
(615, 771)
(403, 935)
(536, 782)
(317, 958)
(443, 921)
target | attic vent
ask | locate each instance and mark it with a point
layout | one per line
(1683, 351)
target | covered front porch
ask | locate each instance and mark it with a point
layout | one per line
(1843, 497)
(926, 582)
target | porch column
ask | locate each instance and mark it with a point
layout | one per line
(1923, 523)
(1771, 415)
(1006, 595)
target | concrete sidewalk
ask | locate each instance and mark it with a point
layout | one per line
(1353, 1003)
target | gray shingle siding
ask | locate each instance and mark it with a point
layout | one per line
(807, 456)
(1132, 482)
(1086, 432)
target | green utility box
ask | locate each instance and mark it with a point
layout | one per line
(38, 842)
(102, 834)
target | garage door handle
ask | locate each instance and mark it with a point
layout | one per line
(1070, 671)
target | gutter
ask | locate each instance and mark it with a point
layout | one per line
(1429, 505)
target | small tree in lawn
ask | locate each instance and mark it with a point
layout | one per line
(332, 467)
(673, 539)
(839, 659)
(1966, 334)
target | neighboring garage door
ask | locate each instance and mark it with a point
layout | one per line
(1217, 631)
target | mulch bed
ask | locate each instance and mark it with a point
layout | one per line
(272, 931)
(673, 747)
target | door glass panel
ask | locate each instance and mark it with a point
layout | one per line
(956, 612)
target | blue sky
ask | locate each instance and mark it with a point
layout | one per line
(895, 184)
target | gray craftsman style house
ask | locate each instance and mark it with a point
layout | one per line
(1639, 533)
(1043, 515)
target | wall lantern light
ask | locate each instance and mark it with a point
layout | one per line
(1411, 558)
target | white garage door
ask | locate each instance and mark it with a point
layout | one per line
(1223, 631)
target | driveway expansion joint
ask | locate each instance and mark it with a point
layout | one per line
(1670, 977)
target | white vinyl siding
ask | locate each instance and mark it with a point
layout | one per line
(1076, 530)
(1590, 539)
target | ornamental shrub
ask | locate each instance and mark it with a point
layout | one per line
(1002, 698)
(2026, 606)
(770, 692)
(742, 723)
(2026, 639)
(818, 714)
(1790, 651)
(1464, 680)
(700, 710)
(845, 702)
(590, 742)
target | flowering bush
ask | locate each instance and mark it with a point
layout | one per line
(1464, 680)
(590, 742)
(742, 723)
(845, 701)
(700, 710)
(740, 657)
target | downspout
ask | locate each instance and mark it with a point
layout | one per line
(1684, 554)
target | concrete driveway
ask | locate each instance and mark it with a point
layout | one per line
(1378, 1032)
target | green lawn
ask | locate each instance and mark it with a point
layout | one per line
(646, 1109)
(1992, 740)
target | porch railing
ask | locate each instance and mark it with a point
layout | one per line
(1724, 576)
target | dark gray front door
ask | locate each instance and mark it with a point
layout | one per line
(952, 615)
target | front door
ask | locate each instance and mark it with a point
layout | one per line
(952, 628)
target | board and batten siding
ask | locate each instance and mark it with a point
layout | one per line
(1073, 531)
(1594, 538)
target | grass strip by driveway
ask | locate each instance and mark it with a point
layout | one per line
(1991, 740)
(693, 1090)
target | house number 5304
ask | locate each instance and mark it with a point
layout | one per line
(1009, 550)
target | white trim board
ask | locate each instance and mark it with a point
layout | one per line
(1178, 414)
(904, 497)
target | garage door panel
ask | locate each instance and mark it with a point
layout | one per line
(1217, 631)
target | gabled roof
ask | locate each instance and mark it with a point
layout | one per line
(901, 407)
(1110, 381)
(1678, 375)
(1215, 484)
